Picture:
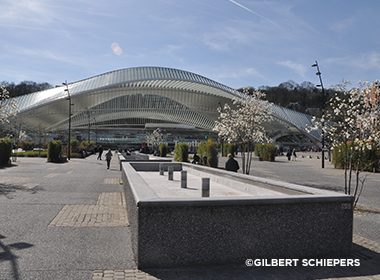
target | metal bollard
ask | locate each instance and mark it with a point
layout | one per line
(170, 173)
(161, 168)
(183, 179)
(205, 187)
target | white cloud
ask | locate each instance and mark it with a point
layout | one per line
(299, 68)
(342, 26)
(365, 61)
(25, 11)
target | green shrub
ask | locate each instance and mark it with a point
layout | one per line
(181, 151)
(202, 151)
(54, 151)
(6, 146)
(87, 144)
(229, 148)
(74, 144)
(369, 160)
(31, 154)
(212, 154)
(210, 150)
(258, 150)
(265, 151)
(163, 149)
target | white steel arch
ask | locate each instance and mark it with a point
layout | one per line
(129, 97)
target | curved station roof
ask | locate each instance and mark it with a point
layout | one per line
(145, 98)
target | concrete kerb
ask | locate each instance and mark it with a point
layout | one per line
(230, 178)
(138, 158)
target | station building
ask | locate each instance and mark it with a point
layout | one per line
(120, 107)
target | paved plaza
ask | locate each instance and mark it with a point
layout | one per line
(68, 221)
(307, 170)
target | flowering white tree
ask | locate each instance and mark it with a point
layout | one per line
(351, 123)
(155, 138)
(8, 107)
(243, 123)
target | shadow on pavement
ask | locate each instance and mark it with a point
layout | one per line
(7, 166)
(8, 189)
(8, 255)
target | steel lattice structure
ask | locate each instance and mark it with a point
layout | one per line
(143, 98)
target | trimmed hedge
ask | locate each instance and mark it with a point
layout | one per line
(87, 144)
(163, 148)
(54, 151)
(31, 154)
(265, 151)
(369, 161)
(74, 144)
(181, 151)
(229, 148)
(210, 150)
(6, 146)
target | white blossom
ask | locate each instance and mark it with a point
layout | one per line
(8, 107)
(243, 120)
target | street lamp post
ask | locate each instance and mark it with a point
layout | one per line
(89, 113)
(70, 104)
(221, 139)
(323, 107)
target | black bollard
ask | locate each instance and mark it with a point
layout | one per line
(205, 187)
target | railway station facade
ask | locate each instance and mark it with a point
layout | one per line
(122, 106)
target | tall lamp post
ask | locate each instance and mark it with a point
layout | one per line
(88, 114)
(70, 104)
(221, 139)
(323, 107)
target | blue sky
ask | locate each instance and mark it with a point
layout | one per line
(235, 42)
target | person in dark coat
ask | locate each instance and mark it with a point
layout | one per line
(108, 158)
(289, 154)
(232, 164)
(100, 152)
(196, 159)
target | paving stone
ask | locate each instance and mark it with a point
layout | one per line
(110, 211)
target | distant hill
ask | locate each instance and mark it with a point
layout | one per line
(289, 93)
(24, 87)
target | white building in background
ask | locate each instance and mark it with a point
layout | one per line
(121, 106)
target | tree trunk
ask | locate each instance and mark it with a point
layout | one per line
(249, 159)
(243, 158)
(246, 157)
(356, 195)
(345, 166)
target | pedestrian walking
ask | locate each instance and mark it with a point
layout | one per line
(100, 152)
(289, 154)
(108, 158)
(294, 155)
(232, 164)
(196, 158)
